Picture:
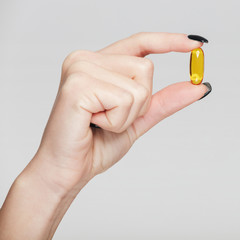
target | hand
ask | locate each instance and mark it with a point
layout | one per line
(113, 89)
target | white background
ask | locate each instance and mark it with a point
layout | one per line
(181, 179)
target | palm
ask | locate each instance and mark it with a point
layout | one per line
(109, 147)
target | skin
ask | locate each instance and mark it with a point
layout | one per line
(112, 88)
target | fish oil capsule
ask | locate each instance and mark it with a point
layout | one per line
(196, 66)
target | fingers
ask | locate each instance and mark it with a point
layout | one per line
(139, 69)
(125, 71)
(140, 95)
(112, 106)
(112, 70)
(80, 97)
(142, 44)
(165, 103)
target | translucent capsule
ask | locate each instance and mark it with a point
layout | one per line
(196, 66)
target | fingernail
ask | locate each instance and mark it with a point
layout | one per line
(209, 87)
(198, 38)
(94, 125)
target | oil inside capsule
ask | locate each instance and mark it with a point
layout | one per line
(196, 66)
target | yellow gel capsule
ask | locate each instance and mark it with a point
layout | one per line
(196, 66)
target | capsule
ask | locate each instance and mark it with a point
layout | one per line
(196, 66)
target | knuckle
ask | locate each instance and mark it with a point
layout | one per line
(144, 92)
(73, 82)
(126, 98)
(141, 93)
(147, 65)
(78, 66)
(125, 102)
(74, 56)
(76, 77)
(117, 127)
(84, 103)
(138, 34)
(138, 38)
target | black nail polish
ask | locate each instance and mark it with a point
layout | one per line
(208, 85)
(198, 38)
(94, 125)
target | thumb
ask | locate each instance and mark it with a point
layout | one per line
(168, 101)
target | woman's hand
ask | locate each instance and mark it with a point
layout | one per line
(113, 89)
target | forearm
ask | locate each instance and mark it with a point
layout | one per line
(33, 207)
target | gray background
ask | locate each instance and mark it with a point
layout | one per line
(181, 179)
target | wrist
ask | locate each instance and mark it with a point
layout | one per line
(55, 181)
(33, 208)
(37, 202)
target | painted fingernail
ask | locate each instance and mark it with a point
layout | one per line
(209, 87)
(94, 125)
(198, 38)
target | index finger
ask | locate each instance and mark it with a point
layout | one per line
(144, 43)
